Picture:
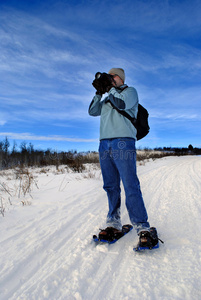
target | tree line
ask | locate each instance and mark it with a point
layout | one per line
(181, 151)
(27, 155)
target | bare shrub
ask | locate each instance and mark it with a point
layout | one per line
(26, 181)
(77, 166)
(4, 189)
(89, 175)
(2, 208)
(26, 202)
(44, 171)
(151, 154)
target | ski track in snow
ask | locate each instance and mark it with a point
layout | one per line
(47, 250)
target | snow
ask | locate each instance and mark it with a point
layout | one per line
(46, 245)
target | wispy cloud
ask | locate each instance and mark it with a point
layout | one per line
(49, 53)
(30, 137)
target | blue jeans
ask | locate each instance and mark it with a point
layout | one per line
(118, 162)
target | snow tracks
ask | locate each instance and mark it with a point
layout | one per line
(47, 250)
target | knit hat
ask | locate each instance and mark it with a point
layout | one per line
(118, 71)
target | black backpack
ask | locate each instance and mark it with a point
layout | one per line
(141, 123)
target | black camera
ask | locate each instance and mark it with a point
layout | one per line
(102, 82)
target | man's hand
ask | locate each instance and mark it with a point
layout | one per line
(99, 87)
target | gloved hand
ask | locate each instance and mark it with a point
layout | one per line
(98, 86)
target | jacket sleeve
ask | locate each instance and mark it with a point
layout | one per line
(95, 106)
(126, 99)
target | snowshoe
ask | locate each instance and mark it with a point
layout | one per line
(110, 234)
(148, 240)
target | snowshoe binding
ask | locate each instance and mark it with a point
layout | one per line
(148, 240)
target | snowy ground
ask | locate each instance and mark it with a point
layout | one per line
(47, 251)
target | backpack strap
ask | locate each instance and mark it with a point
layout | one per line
(123, 112)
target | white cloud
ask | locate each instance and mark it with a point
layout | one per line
(31, 137)
(2, 122)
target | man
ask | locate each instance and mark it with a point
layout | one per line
(117, 152)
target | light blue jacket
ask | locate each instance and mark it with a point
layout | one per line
(112, 123)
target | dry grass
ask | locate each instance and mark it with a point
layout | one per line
(26, 181)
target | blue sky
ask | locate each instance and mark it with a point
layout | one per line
(50, 51)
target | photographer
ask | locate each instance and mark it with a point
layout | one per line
(117, 152)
